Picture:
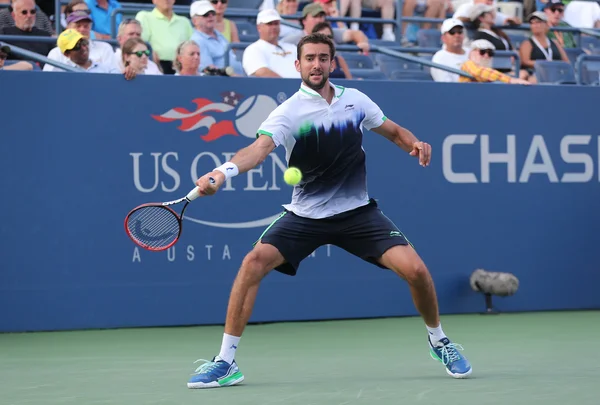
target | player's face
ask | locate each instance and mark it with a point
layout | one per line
(315, 65)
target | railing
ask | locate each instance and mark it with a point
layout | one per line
(580, 60)
(37, 57)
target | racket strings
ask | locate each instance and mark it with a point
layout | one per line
(154, 226)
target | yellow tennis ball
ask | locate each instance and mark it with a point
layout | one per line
(292, 176)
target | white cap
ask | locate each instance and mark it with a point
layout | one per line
(450, 23)
(482, 44)
(267, 16)
(200, 8)
(478, 9)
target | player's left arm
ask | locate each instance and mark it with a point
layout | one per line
(405, 140)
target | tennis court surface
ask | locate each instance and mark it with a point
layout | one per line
(549, 358)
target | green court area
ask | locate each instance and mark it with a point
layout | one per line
(534, 358)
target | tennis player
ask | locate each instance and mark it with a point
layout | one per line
(320, 127)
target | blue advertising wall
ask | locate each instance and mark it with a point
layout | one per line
(514, 186)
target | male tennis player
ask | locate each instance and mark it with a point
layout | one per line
(321, 129)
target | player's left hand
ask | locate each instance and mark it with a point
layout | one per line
(423, 151)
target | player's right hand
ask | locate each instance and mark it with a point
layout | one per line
(206, 187)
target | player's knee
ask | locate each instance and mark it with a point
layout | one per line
(254, 266)
(416, 273)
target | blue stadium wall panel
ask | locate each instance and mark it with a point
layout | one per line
(514, 186)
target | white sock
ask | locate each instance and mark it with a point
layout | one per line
(435, 334)
(388, 28)
(354, 26)
(228, 347)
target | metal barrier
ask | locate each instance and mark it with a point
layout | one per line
(580, 60)
(37, 57)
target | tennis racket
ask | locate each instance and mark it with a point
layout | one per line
(156, 226)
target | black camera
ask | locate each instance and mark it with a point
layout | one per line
(213, 71)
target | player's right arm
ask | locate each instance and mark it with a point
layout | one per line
(244, 160)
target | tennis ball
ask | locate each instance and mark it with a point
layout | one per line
(292, 176)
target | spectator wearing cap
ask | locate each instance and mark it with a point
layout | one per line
(165, 31)
(101, 12)
(539, 46)
(268, 57)
(76, 5)
(20, 65)
(452, 53)
(388, 11)
(24, 14)
(42, 21)
(213, 45)
(312, 14)
(76, 48)
(463, 13)
(129, 29)
(224, 25)
(482, 19)
(555, 10)
(479, 65)
(100, 53)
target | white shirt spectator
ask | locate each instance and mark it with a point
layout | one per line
(151, 69)
(464, 10)
(96, 68)
(453, 60)
(582, 14)
(278, 58)
(100, 53)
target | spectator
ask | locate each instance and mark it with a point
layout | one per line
(268, 57)
(312, 14)
(20, 65)
(76, 49)
(100, 53)
(134, 58)
(341, 67)
(76, 5)
(464, 10)
(479, 65)
(101, 11)
(555, 10)
(42, 21)
(213, 45)
(388, 10)
(288, 7)
(452, 53)
(165, 31)
(129, 29)
(432, 9)
(539, 46)
(187, 59)
(583, 14)
(24, 15)
(224, 25)
(331, 9)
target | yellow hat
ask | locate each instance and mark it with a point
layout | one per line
(68, 39)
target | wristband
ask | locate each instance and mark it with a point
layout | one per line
(228, 169)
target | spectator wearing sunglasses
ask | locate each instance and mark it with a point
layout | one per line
(165, 31)
(99, 52)
(131, 28)
(539, 46)
(101, 11)
(42, 21)
(479, 65)
(76, 49)
(4, 52)
(555, 10)
(24, 12)
(213, 45)
(75, 5)
(452, 53)
(224, 25)
(135, 59)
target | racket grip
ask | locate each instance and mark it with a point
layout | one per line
(195, 193)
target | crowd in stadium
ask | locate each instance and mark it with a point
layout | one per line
(161, 41)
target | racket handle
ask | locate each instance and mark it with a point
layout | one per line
(195, 193)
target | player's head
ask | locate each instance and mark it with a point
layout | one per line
(315, 60)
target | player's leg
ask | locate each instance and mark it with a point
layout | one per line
(370, 235)
(283, 245)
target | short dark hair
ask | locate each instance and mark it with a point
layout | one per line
(322, 25)
(316, 38)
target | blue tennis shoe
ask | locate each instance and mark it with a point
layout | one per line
(448, 354)
(215, 373)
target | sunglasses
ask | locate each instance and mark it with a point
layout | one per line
(3, 56)
(489, 52)
(559, 9)
(31, 12)
(139, 54)
(217, 1)
(455, 31)
(80, 44)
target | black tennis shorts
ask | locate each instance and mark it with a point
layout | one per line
(364, 232)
